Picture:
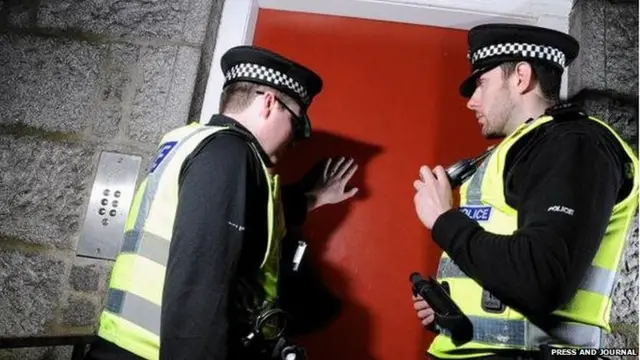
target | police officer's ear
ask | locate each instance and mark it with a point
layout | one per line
(267, 102)
(524, 77)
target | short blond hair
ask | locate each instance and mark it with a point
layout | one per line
(237, 97)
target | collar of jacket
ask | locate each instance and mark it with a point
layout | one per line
(223, 120)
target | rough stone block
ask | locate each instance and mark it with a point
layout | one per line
(31, 288)
(621, 114)
(50, 353)
(18, 13)
(162, 19)
(42, 198)
(27, 354)
(156, 67)
(61, 353)
(198, 19)
(116, 91)
(625, 296)
(587, 25)
(81, 310)
(621, 48)
(49, 83)
(182, 85)
(608, 36)
(622, 337)
(207, 47)
(89, 275)
(162, 101)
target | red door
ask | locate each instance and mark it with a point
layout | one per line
(390, 101)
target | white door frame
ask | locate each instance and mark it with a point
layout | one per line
(238, 21)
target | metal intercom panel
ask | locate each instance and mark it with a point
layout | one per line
(111, 196)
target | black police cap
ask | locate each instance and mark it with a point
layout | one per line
(493, 44)
(265, 67)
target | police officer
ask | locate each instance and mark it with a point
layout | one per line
(531, 254)
(200, 260)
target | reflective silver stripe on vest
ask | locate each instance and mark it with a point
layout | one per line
(133, 240)
(596, 280)
(129, 306)
(474, 194)
(147, 245)
(135, 309)
(524, 334)
(448, 269)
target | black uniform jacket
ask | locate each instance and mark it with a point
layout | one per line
(219, 240)
(571, 162)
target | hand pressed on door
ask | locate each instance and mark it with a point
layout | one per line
(424, 311)
(329, 184)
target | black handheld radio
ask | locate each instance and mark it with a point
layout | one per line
(465, 168)
(449, 319)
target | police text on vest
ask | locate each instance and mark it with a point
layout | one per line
(478, 213)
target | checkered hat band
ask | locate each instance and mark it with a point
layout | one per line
(526, 50)
(254, 71)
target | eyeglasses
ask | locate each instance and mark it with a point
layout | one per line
(296, 121)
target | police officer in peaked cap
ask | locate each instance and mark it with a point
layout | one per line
(198, 274)
(531, 253)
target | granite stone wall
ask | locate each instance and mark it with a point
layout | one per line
(79, 77)
(604, 79)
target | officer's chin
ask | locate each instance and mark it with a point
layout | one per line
(491, 135)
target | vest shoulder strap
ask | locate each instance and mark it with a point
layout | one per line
(260, 175)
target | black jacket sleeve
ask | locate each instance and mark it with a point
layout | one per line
(563, 210)
(208, 236)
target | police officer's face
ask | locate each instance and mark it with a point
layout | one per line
(493, 103)
(277, 129)
(283, 126)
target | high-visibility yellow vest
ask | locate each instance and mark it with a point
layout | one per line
(131, 318)
(586, 315)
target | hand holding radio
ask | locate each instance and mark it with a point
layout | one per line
(424, 311)
(434, 189)
(433, 195)
(447, 317)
